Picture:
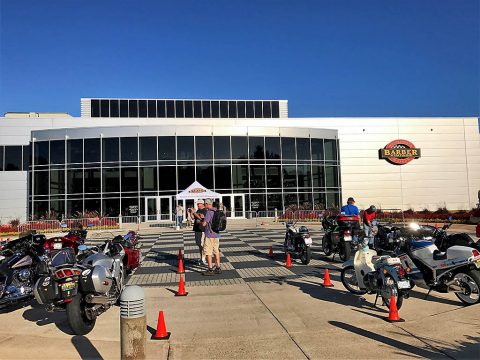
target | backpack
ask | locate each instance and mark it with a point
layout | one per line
(219, 221)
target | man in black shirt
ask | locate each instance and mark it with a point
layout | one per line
(199, 229)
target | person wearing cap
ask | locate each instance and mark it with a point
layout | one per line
(211, 245)
(350, 208)
(368, 216)
(199, 229)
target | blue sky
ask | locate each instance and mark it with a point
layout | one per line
(328, 58)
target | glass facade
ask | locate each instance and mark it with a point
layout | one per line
(113, 175)
(14, 158)
(184, 108)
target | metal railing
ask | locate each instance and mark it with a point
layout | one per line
(48, 226)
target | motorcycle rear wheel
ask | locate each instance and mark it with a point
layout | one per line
(390, 289)
(345, 251)
(472, 280)
(349, 280)
(326, 246)
(77, 318)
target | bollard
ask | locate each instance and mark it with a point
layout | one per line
(133, 323)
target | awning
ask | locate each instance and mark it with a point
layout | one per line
(197, 191)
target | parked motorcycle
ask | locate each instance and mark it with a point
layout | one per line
(85, 287)
(22, 261)
(298, 242)
(341, 235)
(381, 275)
(443, 240)
(72, 239)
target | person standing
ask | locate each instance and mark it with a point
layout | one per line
(179, 214)
(199, 230)
(211, 245)
(368, 216)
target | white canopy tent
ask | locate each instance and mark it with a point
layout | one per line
(197, 191)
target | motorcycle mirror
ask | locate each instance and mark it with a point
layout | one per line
(82, 247)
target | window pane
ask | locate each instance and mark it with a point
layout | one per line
(111, 180)
(256, 148)
(272, 147)
(13, 158)
(129, 206)
(239, 147)
(142, 108)
(186, 176)
(95, 108)
(305, 200)
(267, 110)
(57, 208)
(222, 147)
(166, 148)
(179, 109)
(74, 207)
(203, 146)
(232, 109)
(304, 175)
(57, 182)
(110, 149)
(185, 148)
(258, 109)
(104, 108)
(152, 109)
(303, 149)
(257, 176)
(215, 109)
(206, 109)
(1, 158)
(114, 108)
(170, 108)
(129, 179)
(288, 148)
(240, 176)
(275, 109)
(257, 202)
(41, 153)
(188, 109)
(148, 148)
(274, 201)
(161, 111)
(92, 150)
(319, 201)
(57, 152)
(27, 156)
(241, 109)
(92, 180)
(167, 179)
(148, 176)
(330, 149)
(289, 176)
(290, 199)
(223, 177)
(92, 205)
(123, 108)
(111, 207)
(133, 108)
(249, 109)
(317, 149)
(75, 151)
(205, 176)
(224, 109)
(274, 176)
(40, 181)
(197, 109)
(318, 177)
(333, 200)
(75, 181)
(129, 148)
(331, 176)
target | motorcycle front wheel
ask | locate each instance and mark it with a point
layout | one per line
(349, 280)
(470, 283)
(77, 318)
(345, 251)
(306, 255)
(326, 246)
(390, 288)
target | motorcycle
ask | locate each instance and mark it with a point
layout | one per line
(443, 240)
(72, 239)
(381, 275)
(298, 242)
(455, 270)
(341, 235)
(21, 262)
(85, 287)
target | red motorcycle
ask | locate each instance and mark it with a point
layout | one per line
(130, 244)
(71, 240)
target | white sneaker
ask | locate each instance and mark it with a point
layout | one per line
(204, 262)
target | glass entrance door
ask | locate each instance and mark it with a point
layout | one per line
(158, 208)
(234, 205)
(151, 209)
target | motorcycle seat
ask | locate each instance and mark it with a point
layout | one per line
(438, 255)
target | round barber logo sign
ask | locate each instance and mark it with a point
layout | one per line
(399, 152)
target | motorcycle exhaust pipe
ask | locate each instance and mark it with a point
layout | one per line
(92, 299)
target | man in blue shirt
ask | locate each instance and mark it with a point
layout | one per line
(350, 208)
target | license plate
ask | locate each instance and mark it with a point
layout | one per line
(347, 238)
(308, 241)
(477, 264)
(404, 284)
(68, 286)
(57, 246)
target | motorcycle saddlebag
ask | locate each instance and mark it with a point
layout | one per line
(97, 280)
(348, 221)
(46, 290)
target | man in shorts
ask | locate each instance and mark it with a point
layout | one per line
(198, 217)
(211, 244)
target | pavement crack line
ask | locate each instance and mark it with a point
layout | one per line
(278, 320)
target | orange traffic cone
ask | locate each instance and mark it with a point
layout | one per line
(393, 313)
(161, 333)
(326, 279)
(181, 288)
(180, 270)
(288, 263)
(270, 252)
(180, 254)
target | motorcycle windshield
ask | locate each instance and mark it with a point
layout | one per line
(63, 257)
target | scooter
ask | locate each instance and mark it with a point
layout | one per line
(298, 242)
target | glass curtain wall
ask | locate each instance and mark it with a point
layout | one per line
(113, 175)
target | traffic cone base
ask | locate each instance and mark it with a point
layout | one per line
(180, 270)
(288, 263)
(181, 288)
(270, 252)
(161, 333)
(326, 279)
(393, 311)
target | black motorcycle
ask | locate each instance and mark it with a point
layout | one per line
(298, 242)
(443, 240)
(342, 234)
(22, 261)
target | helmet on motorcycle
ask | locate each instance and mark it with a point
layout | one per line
(372, 208)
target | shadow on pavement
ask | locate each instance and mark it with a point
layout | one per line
(85, 348)
(41, 317)
(437, 299)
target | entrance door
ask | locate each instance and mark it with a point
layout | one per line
(158, 208)
(234, 204)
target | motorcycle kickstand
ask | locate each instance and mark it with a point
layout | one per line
(376, 299)
(429, 291)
